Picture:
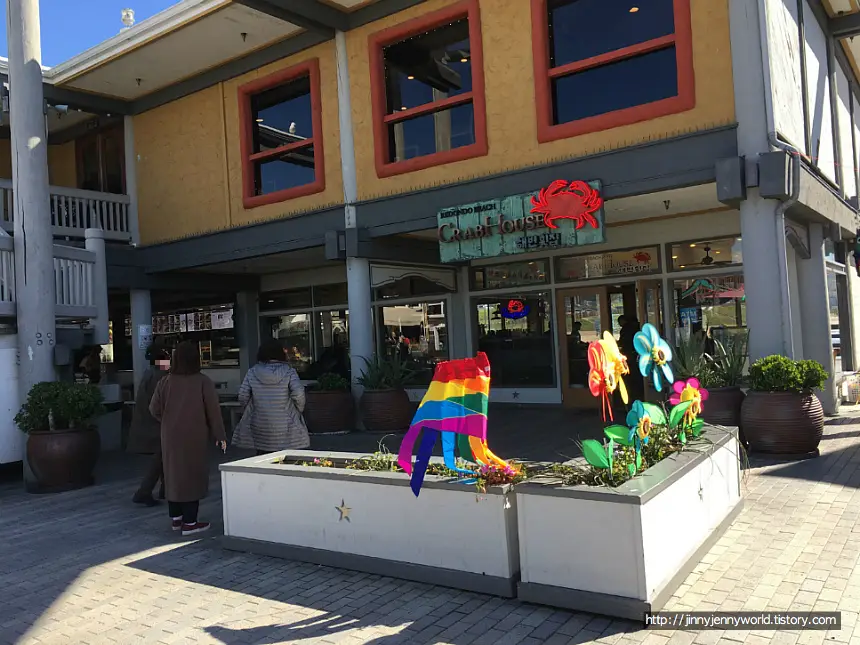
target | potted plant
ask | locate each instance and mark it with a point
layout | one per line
(62, 444)
(385, 405)
(723, 376)
(330, 408)
(781, 414)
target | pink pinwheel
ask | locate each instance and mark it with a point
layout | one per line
(689, 390)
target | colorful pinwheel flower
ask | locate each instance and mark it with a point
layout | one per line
(689, 390)
(601, 376)
(655, 356)
(639, 422)
(616, 363)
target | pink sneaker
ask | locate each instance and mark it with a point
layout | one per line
(176, 523)
(197, 527)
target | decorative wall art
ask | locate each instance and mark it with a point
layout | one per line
(454, 406)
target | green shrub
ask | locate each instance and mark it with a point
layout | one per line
(332, 383)
(385, 374)
(782, 374)
(59, 405)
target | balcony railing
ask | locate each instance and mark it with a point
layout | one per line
(74, 282)
(73, 211)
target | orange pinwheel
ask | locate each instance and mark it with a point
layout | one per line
(618, 363)
(601, 376)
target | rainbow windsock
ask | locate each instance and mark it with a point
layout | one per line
(455, 405)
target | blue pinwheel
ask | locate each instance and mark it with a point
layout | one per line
(655, 356)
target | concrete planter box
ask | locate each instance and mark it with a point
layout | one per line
(451, 535)
(624, 551)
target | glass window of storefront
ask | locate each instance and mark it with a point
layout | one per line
(626, 263)
(316, 333)
(513, 274)
(415, 333)
(706, 254)
(516, 333)
(712, 304)
(413, 286)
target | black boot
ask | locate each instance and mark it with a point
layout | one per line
(146, 499)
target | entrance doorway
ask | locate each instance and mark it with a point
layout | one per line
(584, 314)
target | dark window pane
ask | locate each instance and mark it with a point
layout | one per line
(616, 86)
(282, 115)
(431, 133)
(428, 67)
(295, 168)
(278, 300)
(330, 294)
(707, 253)
(410, 287)
(580, 29)
(513, 274)
(520, 347)
(112, 159)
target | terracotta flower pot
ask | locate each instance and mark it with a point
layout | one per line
(329, 411)
(782, 423)
(64, 459)
(723, 407)
(386, 410)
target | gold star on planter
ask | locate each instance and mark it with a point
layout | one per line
(344, 510)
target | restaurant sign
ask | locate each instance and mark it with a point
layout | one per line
(565, 214)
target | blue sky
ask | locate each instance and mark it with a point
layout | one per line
(70, 27)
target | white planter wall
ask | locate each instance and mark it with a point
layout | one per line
(450, 535)
(12, 440)
(624, 551)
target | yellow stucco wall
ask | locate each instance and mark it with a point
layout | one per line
(510, 96)
(62, 164)
(189, 171)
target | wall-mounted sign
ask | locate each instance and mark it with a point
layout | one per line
(613, 263)
(564, 214)
(515, 309)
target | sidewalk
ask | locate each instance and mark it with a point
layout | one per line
(88, 567)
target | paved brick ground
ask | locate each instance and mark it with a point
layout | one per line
(88, 568)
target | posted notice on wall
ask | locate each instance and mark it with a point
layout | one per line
(144, 336)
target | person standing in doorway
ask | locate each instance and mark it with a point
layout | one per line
(91, 365)
(186, 404)
(144, 437)
(274, 399)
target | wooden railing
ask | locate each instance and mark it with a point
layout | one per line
(73, 211)
(74, 281)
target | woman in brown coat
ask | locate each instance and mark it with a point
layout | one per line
(144, 437)
(186, 404)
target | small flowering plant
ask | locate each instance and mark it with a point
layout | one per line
(495, 475)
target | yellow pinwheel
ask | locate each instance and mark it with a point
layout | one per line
(616, 362)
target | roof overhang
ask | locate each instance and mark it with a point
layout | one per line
(196, 44)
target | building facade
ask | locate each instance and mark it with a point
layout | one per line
(433, 178)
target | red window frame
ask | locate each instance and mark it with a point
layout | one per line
(381, 120)
(311, 69)
(544, 74)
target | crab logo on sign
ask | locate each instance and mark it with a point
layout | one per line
(515, 309)
(573, 200)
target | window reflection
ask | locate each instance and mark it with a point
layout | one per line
(294, 332)
(712, 307)
(699, 254)
(417, 334)
(516, 334)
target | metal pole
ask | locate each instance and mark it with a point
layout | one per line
(33, 239)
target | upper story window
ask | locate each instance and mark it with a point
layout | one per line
(427, 83)
(601, 64)
(281, 136)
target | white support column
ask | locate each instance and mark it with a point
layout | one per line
(762, 279)
(33, 239)
(357, 269)
(141, 332)
(95, 242)
(815, 314)
(131, 177)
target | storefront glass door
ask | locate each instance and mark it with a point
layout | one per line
(583, 316)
